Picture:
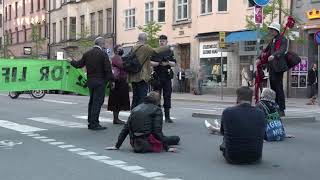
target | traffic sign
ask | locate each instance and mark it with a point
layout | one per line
(222, 37)
(317, 38)
(261, 2)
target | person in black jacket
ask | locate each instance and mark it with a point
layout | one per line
(162, 61)
(243, 129)
(99, 72)
(146, 119)
(313, 84)
(276, 63)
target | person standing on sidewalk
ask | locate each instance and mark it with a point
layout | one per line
(312, 84)
(162, 62)
(200, 76)
(119, 95)
(99, 72)
(140, 80)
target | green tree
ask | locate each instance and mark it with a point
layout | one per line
(83, 44)
(152, 29)
(270, 13)
(37, 40)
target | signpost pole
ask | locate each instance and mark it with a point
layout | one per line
(222, 36)
(221, 72)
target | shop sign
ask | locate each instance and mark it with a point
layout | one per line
(210, 50)
(313, 14)
(317, 37)
(261, 2)
(258, 15)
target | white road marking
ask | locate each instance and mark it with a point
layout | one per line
(152, 174)
(112, 162)
(56, 143)
(66, 146)
(98, 158)
(32, 135)
(209, 110)
(101, 119)
(47, 140)
(58, 101)
(132, 168)
(58, 122)
(76, 149)
(109, 161)
(19, 127)
(40, 137)
(86, 153)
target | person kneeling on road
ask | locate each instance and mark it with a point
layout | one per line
(144, 127)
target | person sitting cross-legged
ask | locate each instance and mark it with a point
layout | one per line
(243, 128)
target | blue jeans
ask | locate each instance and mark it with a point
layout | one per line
(140, 91)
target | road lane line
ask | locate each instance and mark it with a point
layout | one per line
(58, 101)
(66, 146)
(86, 153)
(47, 140)
(40, 137)
(152, 174)
(56, 143)
(58, 122)
(98, 158)
(19, 127)
(101, 119)
(76, 149)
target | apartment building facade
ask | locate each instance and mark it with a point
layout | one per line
(193, 26)
(18, 18)
(1, 27)
(308, 12)
(73, 20)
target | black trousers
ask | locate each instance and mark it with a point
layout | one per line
(165, 88)
(97, 89)
(276, 83)
(171, 140)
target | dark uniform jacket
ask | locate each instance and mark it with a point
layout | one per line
(312, 77)
(145, 119)
(97, 64)
(163, 54)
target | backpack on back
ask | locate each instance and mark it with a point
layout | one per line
(131, 63)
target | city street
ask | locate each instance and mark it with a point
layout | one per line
(48, 139)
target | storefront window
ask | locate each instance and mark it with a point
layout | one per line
(212, 72)
(299, 74)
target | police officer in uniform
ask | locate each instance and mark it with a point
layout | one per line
(162, 62)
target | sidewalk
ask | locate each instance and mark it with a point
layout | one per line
(210, 98)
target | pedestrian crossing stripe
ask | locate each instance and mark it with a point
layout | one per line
(19, 127)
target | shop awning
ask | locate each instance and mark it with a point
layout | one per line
(241, 36)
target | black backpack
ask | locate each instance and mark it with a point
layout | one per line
(131, 63)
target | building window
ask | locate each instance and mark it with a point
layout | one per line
(10, 36)
(44, 4)
(222, 5)
(161, 11)
(38, 8)
(82, 26)
(24, 33)
(54, 5)
(100, 22)
(93, 24)
(23, 7)
(9, 12)
(31, 6)
(54, 32)
(65, 29)
(73, 27)
(17, 35)
(148, 12)
(61, 29)
(130, 18)
(206, 6)
(1, 43)
(6, 14)
(182, 8)
(16, 6)
(251, 3)
(109, 21)
(0, 20)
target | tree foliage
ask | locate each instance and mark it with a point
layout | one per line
(37, 40)
(270, 14)
(152, 29)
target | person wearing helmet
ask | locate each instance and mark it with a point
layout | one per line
(274, 57)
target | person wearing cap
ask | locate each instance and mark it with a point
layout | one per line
(99, 72)
(274, 56)
(162, 62)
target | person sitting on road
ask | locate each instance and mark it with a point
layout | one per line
(144, 127)
(242, 127)
(274, 127)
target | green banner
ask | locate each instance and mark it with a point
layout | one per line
(27, 74)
